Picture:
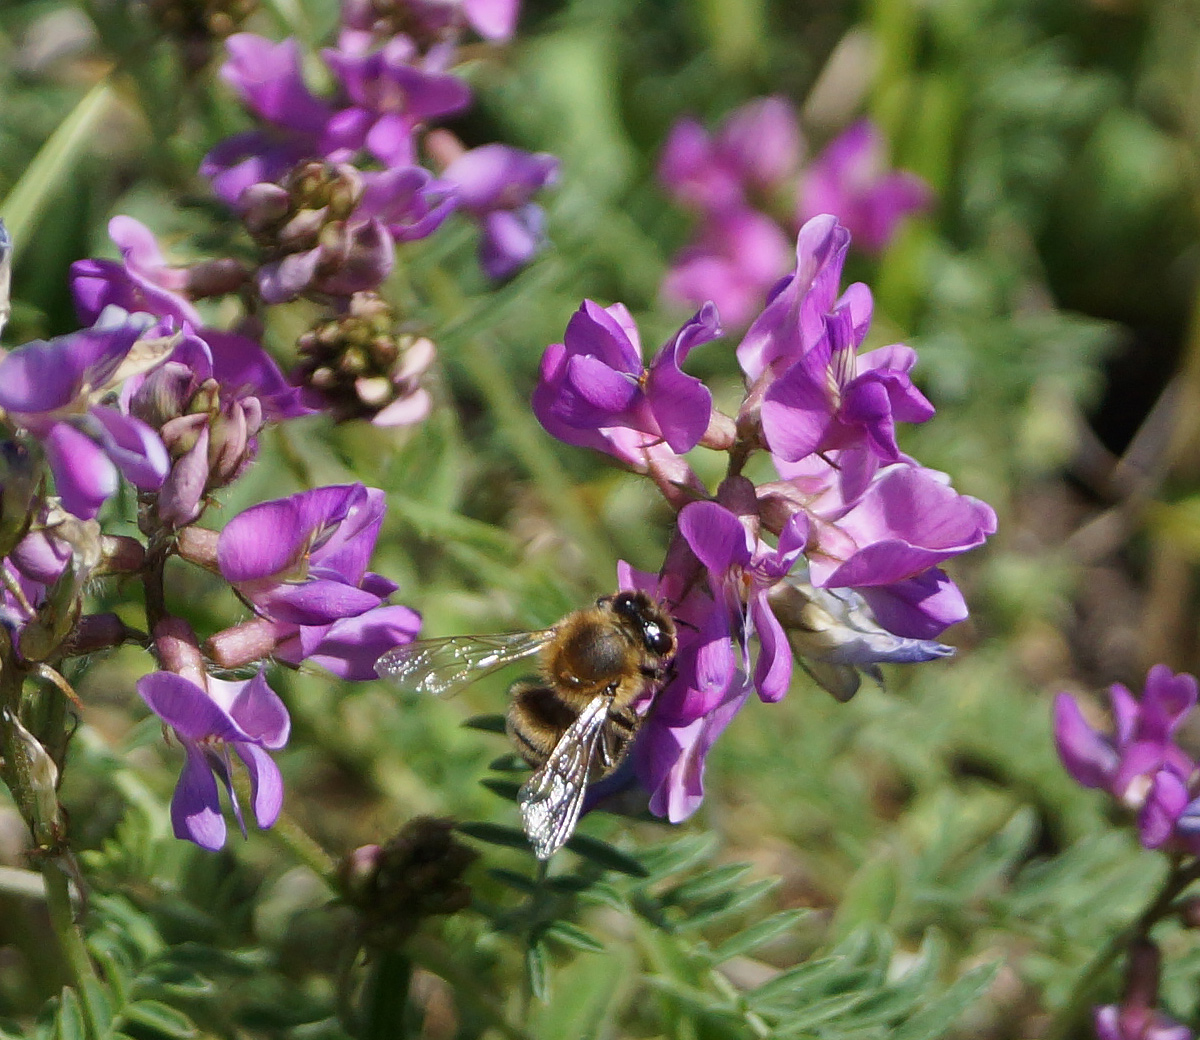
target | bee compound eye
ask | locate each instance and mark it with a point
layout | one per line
(657, 641)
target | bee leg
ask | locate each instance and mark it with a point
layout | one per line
(615, 741)
(536, 720)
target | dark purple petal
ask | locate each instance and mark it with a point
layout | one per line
(349, 648)
(314, 602)
(133, 447)
(917, 608)
(256, 708)
(796, 413)
(1166, 701)
(600, 393)
(1089, 757)
(265, 540)
(269, 77)
(510, 239)
(497, 176)
(603, 333)
(682, 404)
(196, 804)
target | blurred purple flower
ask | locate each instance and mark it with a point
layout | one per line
(1114, 1022)
(303, 559)
(1140, 765)
(594, 391)
(269, 79)
(247, 717)
(851, 179)
(54, 388)
(757, 149)
(390, 96)
(738, 255)
(495, 184)
(494, 20)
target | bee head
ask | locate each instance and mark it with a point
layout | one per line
(646, 617)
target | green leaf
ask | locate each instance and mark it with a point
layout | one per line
(487, 723)
(68, 1021)
(730, 903)
(521, 882)
(536, 972)
(758, 934)
(574, 937)
(571, 884)
(495, 834)
(100, 1006)
(802, 1019)
(24, 204)
(935, 1020)
(797, 984)
(700, 1001)
(161, 1018)
(710, 883)
(677, 856)
(506, 789)
(603, 854)
(509, 763)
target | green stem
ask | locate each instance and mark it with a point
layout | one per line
(386, 997)
(70, 941)
(1082, 997)
(433, 956)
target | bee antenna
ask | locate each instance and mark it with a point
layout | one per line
(686, 624)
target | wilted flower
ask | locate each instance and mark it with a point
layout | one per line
(851, 179)
(245, 717)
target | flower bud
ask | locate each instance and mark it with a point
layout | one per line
(417, 874)
(362, 368)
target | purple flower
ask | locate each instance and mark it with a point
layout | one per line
(757, 149)
(495, 184)
(269, 78)
(54, 388)
(692, 710)
(350, 647)
(793, 321)
(738, 256)
(247, 717)
(594, 391)
(1140, 765)
(303, 559)
(851, 179)
(742, 569)
(1114, 1022)
(390, 96)
(494, 20)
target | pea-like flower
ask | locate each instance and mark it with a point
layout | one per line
(247, 718)
(594, 390)
(852, 179)
(55, 389)
(1140, 764)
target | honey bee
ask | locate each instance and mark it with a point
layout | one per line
(575, 722)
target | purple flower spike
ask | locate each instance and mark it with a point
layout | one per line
(851, 178)
(594, 392)
(247, 717)
(303, 560)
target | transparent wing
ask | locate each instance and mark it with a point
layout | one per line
(552, 799)
(442, 667)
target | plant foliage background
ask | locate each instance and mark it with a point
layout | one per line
(914, 863)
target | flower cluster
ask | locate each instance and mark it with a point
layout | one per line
(750, 189)
(147, 391)
(837, 560)
(1140, 764)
